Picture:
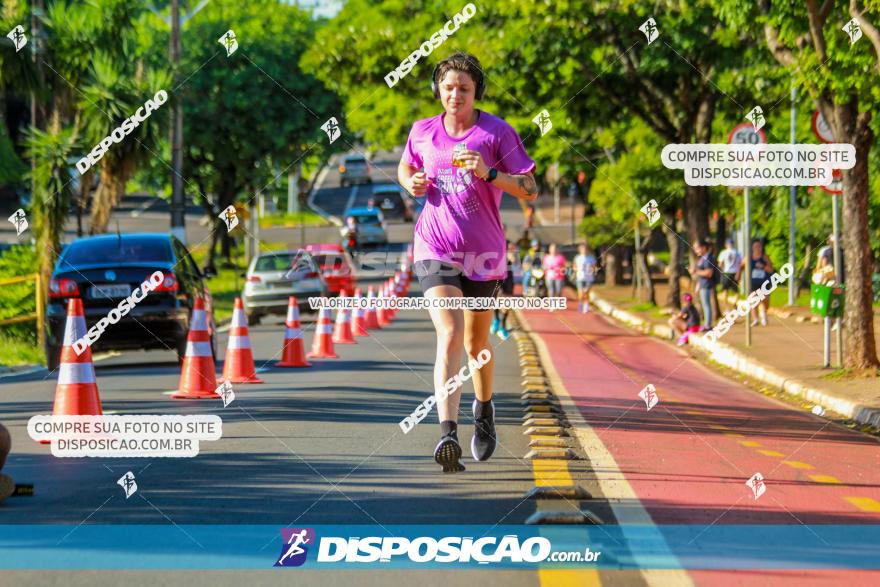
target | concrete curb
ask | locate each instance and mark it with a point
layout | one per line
(736, 360)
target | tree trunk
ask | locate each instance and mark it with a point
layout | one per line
(108, 194)
(858, 259)
(647, 292)
(673, 296)
(696, 214)
(720, 233)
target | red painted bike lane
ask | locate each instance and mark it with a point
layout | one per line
(689, 457)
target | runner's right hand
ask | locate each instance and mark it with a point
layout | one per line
(418, 184)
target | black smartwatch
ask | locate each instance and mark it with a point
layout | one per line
(493, 173)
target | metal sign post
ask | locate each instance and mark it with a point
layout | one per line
(745, 134)
(838, 269)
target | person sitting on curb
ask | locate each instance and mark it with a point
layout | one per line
(7, 485)
(687, 321)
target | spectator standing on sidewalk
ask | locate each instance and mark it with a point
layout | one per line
(554, 271)
(729, 261)
(760, 269)
(706, 273)
(530, 216)
(585, 275)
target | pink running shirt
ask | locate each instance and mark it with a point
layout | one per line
(554, 265)
(461, 223)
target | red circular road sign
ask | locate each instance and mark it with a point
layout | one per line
(744, 134)
(821, 128)
(836, 185)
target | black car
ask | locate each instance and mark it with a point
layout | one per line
(103, 270)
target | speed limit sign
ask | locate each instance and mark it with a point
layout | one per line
(836, 185)
(744, 134)
(821, 128)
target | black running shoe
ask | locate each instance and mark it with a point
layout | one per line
(483, 442)
(448, 453)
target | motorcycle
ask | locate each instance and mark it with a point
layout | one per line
(350, 242)
(536, 286)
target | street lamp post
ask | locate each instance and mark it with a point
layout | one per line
(178, 203)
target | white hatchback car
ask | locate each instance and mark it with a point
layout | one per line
(275, 276)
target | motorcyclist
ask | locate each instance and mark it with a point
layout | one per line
(350, 234)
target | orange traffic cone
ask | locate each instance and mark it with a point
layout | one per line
(239, 364)
(372, 315)
(342, 333)
(322, 344)
(383, 314)
(76, 393)
(197, 379)
(294, 354)
(359, 322)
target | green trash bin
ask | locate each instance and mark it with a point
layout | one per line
(827, 300)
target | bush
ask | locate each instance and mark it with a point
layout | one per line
(18, 299)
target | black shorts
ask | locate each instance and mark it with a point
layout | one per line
(507, 284)
(728, 282)
(431, 273)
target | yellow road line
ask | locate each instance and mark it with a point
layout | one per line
(864, 503)
(825, 479)
(568, 578)
(749, 443)
(550, 472)
(771, 453)
(798, 465)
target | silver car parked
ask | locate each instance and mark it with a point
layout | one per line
(274, 276)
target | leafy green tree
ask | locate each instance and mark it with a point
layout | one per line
(256, 108)
(842, 80)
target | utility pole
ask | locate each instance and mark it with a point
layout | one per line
(792, 204)
(178, 201)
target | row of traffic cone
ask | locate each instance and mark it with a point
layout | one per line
(77, 390)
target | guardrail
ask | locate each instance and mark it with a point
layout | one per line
(40, 305)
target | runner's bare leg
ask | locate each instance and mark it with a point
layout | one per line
(450, 328)
(476, 338)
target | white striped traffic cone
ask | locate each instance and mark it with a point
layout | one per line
(359, 322)
(293, 352)
(197, 378)
(372, 315)
(76, 393)
(239, 364)
(322, 344)
(342, 333)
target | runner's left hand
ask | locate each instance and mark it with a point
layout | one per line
(473, 160)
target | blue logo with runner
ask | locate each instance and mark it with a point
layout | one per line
(295, 544)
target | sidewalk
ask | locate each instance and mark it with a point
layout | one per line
(786, 354)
